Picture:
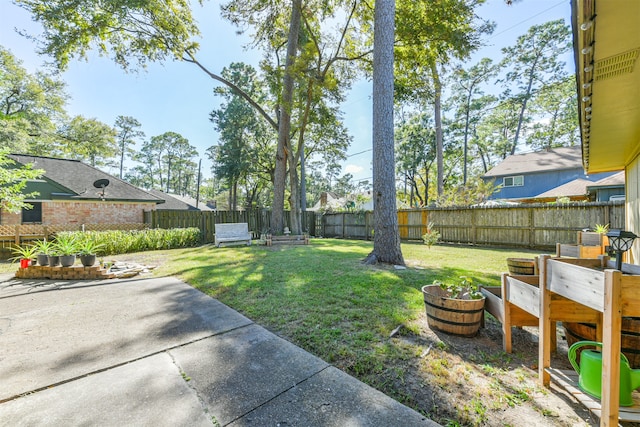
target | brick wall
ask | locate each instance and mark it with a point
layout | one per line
(75, 212)
(7, 218)
(63, 212)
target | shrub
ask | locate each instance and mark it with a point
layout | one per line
(431, 237)
(120, 242)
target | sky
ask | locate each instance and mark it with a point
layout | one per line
(178, 97)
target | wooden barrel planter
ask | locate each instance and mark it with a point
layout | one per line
(453, 316)
(630, 337)
(521, 266)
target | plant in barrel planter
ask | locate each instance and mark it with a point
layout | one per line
(88, 250)
(455, 308)
(67, 247)
(24, 254)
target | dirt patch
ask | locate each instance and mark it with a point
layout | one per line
(460, 381)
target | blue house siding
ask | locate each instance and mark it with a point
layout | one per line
(538, 183)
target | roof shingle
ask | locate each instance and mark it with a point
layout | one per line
(79, 177)
(540, 161)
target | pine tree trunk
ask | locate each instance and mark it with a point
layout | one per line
(523, 108)
(284, 123)
(386, 239)
(438, 120)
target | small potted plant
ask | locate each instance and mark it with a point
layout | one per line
(88, 249)
(43, 248)
(67, 247)
(454, 307)
(24, 254)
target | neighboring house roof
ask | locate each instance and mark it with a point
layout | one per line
(540, 161)
(616, 180)
(329, 200)
(72, 179)
(332, 201)
(577, 187)
(177, 202)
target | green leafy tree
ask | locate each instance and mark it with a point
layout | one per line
(134, 32)
(532, 63)
(151, 156)
(184, 170)
(169, 151)
(469, 99)
(431, 35)
(497, 129)
(125, 30)
(128, 132)
(89, 140)
(13, 180)
(318, 74)
(416, 154)
(557, 107)
(31, 106)
(242, 135)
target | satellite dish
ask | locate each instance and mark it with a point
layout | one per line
(101, 183)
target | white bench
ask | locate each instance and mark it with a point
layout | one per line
(235, 232)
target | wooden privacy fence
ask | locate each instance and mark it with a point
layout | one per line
(16, 234)
(259, 220)
(538, 226)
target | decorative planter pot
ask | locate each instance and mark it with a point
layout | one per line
(453, 316)
(88, 260)
(54, 260)
(521, 266)
(67, 260)
(43, 259)
(25, 263)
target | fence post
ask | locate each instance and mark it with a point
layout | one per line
(474, 227)
(532, 229)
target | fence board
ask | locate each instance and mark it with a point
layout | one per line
(538, 226)
(531, 226)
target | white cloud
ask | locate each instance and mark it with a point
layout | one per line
(353, 169)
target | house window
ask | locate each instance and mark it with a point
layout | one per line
(513, 181)
(33, 215)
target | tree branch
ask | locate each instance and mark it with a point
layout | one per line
(192, 59)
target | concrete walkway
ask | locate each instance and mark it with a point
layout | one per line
(156, 352)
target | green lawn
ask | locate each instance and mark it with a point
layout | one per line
(322, 294)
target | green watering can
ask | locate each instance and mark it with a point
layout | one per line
(590, 372)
